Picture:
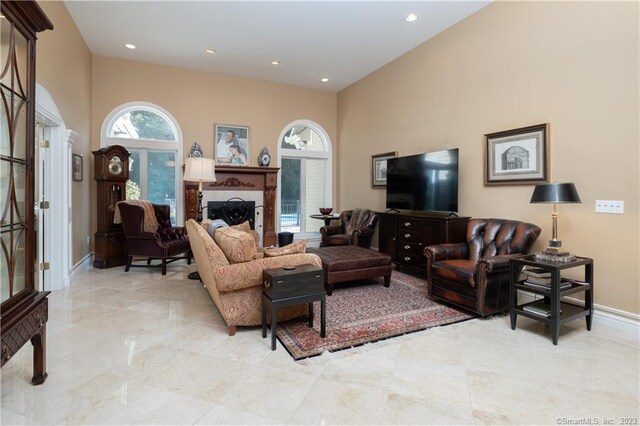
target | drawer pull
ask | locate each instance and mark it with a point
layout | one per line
(407, 258)
(267, 284)
(407, 246)
(407, 224)
(407, 235)
(279, 281)
(317, 276)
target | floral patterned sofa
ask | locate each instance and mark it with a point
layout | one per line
(232, 272)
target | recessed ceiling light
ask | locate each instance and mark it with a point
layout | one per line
(411, 17)
(130, 46)
(211, 51)
(275, 62)
(324, 79)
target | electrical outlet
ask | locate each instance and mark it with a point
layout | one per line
(610, 206)
(88, 239)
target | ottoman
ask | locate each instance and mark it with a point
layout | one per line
(349, 263)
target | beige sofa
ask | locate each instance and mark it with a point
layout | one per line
(236, 288)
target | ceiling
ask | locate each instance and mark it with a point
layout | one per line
(340, 40)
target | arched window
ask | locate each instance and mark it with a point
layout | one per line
(154, 139)
(305, 177)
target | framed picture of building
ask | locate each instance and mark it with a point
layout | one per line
(517, 157)
(231, 145)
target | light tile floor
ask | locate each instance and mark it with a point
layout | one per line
(136, 347)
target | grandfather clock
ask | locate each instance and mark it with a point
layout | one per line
(111, 171)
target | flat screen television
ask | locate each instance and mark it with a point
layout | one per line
(427, 182)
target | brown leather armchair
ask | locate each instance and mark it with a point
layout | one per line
(356, 228)
(475, 274)
(167, 243)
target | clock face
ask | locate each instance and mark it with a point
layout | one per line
(264, 159)
(115, 165)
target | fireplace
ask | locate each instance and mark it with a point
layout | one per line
(233, 211)
(257, 184)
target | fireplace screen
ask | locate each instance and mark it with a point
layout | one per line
(233, 211)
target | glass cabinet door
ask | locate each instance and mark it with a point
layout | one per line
(15, 230)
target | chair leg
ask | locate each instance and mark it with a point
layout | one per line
(189, 254)
(232, 330)
(148, 261)
(164, 266)
(128, 265)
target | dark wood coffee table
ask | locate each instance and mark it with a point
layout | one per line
(350, 263)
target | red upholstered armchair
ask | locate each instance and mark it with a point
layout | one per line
(475, 274)
(149, 233)
(356, 228)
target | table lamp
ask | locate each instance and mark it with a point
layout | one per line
(199, 169)
(556, 193)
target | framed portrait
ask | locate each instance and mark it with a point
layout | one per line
(77, 167)
(379, 168)
(517, 157)
(231, 145)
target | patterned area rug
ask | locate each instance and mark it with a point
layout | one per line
(366, 311)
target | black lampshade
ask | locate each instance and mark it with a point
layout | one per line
(555, 193)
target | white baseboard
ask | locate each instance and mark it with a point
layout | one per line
(85, 262)
(602, 315)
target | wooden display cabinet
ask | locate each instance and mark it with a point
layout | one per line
(24, 309)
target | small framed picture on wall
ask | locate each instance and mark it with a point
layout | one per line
(77, 167)
(379, 168)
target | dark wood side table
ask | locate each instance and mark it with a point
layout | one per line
(288, 287)
(561, 312)
(326, 217)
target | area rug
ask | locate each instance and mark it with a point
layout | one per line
(366, 311)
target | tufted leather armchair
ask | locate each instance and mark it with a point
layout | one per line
(356, 228)
(475, 274)
(165, 244)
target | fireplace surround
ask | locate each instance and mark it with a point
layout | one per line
(234, 178)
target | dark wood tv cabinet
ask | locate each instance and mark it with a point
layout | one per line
(403, 236)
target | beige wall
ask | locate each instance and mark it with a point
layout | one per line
(64, 69)
(573, 65)
(199, 99)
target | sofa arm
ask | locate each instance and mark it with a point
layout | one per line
(446, 252)
(249, 274)
(497, 263)
(327, 231)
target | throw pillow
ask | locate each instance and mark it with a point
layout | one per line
(246, 227)
(238, 246)
(299, 246)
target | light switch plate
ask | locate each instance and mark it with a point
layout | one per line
(610, 206)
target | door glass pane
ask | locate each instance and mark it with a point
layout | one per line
(290, 203)
(19, 176)
(161, 179)
(20, 146)
(5, 29)
(5, 169)
(12, 250)
(21, 63)
(4, 124)
(4, 267)
(314, 191)
(134, 184)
